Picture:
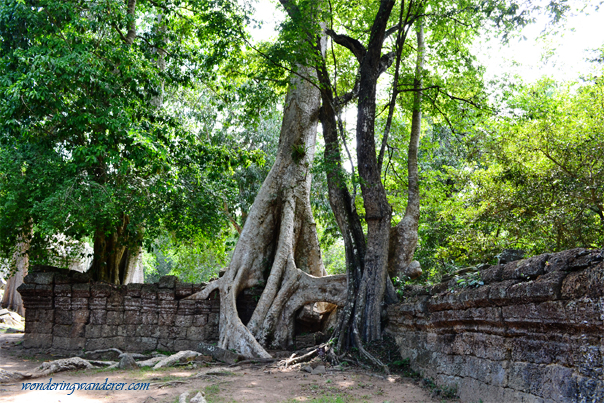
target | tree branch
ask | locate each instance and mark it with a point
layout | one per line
(356, 47)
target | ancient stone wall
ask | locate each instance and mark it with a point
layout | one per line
(65, 310)
(532, 333)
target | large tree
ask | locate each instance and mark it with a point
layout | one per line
(90, 146)
(277, 247)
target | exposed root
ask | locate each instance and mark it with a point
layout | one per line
(374, 360)
(119, 352)
(303, 358)
(205, 293)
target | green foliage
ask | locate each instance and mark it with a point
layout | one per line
(94, 128)
(539, 183)
(198, 260)
(298, 152)
(471, 280)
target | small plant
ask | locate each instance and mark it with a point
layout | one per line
(472, 280)
(298, 152)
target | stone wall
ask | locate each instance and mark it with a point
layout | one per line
(532, 333)
(64, 310)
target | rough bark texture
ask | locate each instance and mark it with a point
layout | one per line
(403, 237)
(367, 317)
(12, 299)
(278, 246)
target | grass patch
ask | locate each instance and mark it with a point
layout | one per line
(326, 399)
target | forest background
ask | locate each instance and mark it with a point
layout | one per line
(193, 126)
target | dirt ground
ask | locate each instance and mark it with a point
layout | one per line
(219, 383)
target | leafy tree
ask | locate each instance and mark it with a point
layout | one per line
(539, 183)
(91, 145)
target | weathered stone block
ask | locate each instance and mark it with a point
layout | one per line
(545, 288)
(43, 315)
(532, 267)
(166, 294)
(81, 278)
(62, 290)
(97, 344)
(133, 317)
(81, 290)
(81, 316)
(93, 331)
(115, 317)
(586, 283)
(38, 327)
(539, 351)
(149, 291)
(558, 383)
(79, 303)
(98, 317)
(180, 345)
(44, 290)
(148, 331)
(37, 340)
(115, 301)
(63, 303)
(27, 291)
(63, 317)
(132, 304)
(100, 290)
(148, 344)
(183, 320)
(200, 320)
(186, 307)
(166, 318)
(588, 389)
(183, 290)
(39, 278)
(133, 290)
(62, 278)
(129, 330)
(196, 333)
(492, 274)
(166, 345)
(108, 331)
(584, 312)
(526, 377)
(167, 282)
(172, 332)
(61, 330)
(98, 303)
(149, 317)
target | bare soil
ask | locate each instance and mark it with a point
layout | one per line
(219, 383)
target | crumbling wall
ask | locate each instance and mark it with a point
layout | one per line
(65, 310)
(532, 333)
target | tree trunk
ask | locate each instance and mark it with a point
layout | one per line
(117, 256)
(278, 246)
(12, 299)
(367, 313)
(404, 235)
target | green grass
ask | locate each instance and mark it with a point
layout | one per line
(326, 399)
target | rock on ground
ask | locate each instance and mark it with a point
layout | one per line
(127, 362)
(218, 353)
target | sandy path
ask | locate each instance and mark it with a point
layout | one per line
(262, 384)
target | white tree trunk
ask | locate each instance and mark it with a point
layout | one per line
(134, 266)
(278, 246)
(12, 299)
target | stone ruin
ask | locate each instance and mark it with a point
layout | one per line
(525, 331)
